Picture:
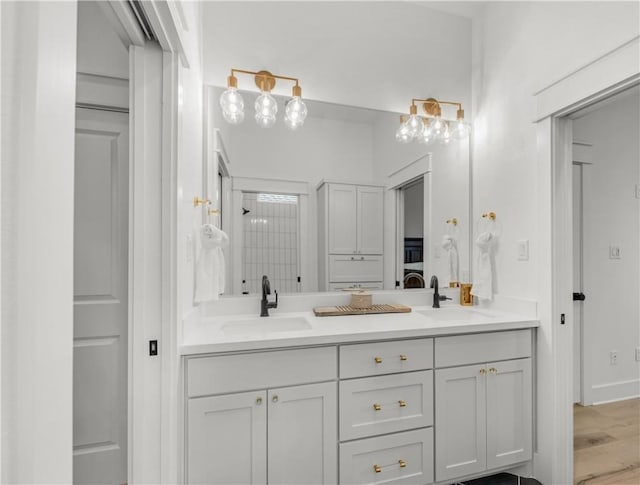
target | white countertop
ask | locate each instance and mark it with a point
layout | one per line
(214, 334)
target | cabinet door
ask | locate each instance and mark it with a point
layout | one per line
(509, 415)
(460, 421)
(342, 219)
(227, 439)
(355, 268)
(302, 434)
(370, 220)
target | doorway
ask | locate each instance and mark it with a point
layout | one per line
(606, 257)
(411, 222)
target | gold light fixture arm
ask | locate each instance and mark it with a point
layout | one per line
(265, 80)
(432, 107)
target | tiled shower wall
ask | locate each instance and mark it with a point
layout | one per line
(270, 242)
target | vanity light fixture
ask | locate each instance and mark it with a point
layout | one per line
(265, 105)
(431, 127)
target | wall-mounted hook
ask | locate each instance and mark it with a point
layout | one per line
(198, 201)
(453, 221)
(491, 215)
(212, 212)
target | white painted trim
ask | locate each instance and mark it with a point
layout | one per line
(102, 90)
(219, 148)
(613, 71)
(598, 80)
(248, 184)
(163, 22)
(409, 172)
(123, 21)
(615, 391)
(170, 403)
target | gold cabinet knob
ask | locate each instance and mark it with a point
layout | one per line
(377, 407)
(274, 398)
(258, 400)
(483, 371)
(378, 360)
(402, 463)
(403, 357)
(402, 403)
(377, 469)
(493, 370)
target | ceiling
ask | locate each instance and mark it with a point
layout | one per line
(369, 54)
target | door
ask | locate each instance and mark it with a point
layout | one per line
(509, 412)
(342, 219)
(460, 421)
(227, 439)
(370, 220)
(303, 435)
(100, 297)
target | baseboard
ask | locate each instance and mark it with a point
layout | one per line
(615, 391)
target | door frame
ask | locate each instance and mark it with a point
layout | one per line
(602, 78)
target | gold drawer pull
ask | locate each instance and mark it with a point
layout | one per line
(377, 469)
(378, 360)
(377, 407)
(493, 370)
(403, 357)
(275, 398)
(259, 400)
(483, 371)
(402, 403)
(402, 463)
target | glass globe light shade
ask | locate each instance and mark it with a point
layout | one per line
(295, 112)
(461, 130)
(402, 134)
(232, 106)
(266, 105)
(427, 137)
(415, 125)
(437, 126)
(264, 121)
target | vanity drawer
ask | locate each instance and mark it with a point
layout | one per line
(385, 357)
(399, 458)
(386, 404)
(260, 370)
(355, 268)
(483, 347)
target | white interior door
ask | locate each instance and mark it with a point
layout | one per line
(100, 297)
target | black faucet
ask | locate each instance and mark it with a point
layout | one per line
(437, 298)
(265, 304)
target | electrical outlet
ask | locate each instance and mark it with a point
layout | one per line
(613, 357)
(637, 354)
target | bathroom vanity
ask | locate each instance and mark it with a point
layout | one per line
(431, 396)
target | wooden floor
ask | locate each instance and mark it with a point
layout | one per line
(607, 443)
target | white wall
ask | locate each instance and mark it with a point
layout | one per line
(611, 218)
(100, 50)
(369, 54)
(38, 120)
(520, 48)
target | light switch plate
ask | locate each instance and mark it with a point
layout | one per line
(614, 252)
(523, 250)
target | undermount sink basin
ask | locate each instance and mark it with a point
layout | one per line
(263, 325)
(455, 314)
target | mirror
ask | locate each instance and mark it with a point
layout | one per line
(279, 193)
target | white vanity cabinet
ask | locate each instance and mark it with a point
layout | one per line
(350, 234)
(386, 412)
(483, 402)
(281, 431)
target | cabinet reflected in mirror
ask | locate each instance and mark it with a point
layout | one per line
(346, 171)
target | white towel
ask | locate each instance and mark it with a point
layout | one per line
(483, 279)
(210, 268)
(450, 244)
